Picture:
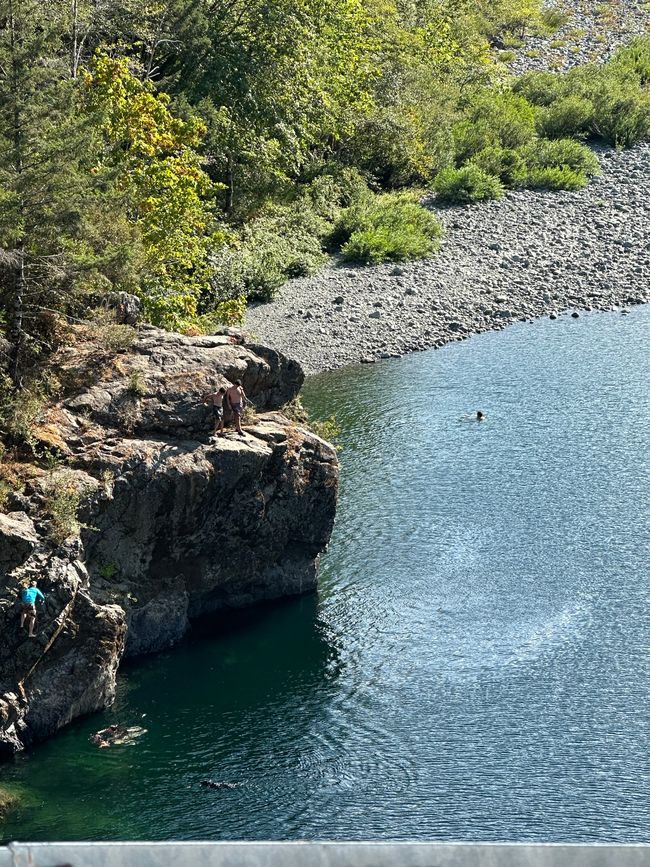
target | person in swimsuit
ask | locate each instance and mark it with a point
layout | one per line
(28, 599)
(216, 400)
(236, 400)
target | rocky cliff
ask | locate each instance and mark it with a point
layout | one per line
(172, 525)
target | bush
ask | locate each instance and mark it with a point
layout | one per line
(284, 242)
(555, 178)
(562, 153)
(567, 116)
(392, 227)
(540, 88)
(503, 163)
(504, 119)
(633, 58)
(61, 506)
(622, 113)
(469, 184)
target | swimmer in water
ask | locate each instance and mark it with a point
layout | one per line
(480, 416)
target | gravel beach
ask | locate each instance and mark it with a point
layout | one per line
(529, 255)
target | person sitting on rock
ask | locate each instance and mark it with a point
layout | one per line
(236, 400)
(28, 599)
(216, 400)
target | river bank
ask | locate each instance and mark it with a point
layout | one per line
(529, 255)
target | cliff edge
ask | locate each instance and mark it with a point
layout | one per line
(170, 525)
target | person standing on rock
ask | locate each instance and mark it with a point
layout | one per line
(28, 598)
(236, 400)
(216, 400)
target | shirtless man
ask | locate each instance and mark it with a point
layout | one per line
(236, 398)
(216, 400)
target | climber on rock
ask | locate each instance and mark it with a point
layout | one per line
(28, 598)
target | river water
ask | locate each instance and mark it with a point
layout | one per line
(477, 662)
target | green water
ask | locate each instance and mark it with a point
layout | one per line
(476, 664)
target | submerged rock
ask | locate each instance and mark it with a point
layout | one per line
(174, 524)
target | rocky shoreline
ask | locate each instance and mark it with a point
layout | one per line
(531, 254)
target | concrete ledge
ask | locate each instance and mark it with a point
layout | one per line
(321, 855)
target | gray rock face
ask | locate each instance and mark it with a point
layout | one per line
(177, 526)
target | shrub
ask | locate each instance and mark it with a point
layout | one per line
(392, 227)
(469, 184)
(504, 119)
(115, 338)
(552, 19)
(540, 88)
(61, 506)
(137, 385)
(284, 242)
(619, 95)
(503, 163)
(5, 490)
(555, 178)
(633, 58)
(567, 116)
(562, 153)
(327, 429)
(622, 114)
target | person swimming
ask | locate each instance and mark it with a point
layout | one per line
(117, 734)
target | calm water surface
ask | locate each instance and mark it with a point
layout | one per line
(477, 663)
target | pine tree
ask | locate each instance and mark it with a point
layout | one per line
(43, 179)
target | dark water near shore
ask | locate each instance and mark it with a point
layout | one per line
(477, 663)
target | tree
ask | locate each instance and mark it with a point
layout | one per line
(150, 167)
(43, 179)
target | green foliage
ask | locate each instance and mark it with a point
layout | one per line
(327, 429)
(503, 163)
(504, 120)
(21, 409)
(150, 155)
(5, 490)
(466, 185)
(555, 178)
(567, 116)
(115, 338)
(562, 153)
(561, 164)
(137, 384)
(540, 88)
(284, 242)
(108, 571)
(61, 506)
(392, 227)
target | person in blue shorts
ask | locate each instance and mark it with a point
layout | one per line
(28, 598)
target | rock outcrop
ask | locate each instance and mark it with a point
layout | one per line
(172, 524)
